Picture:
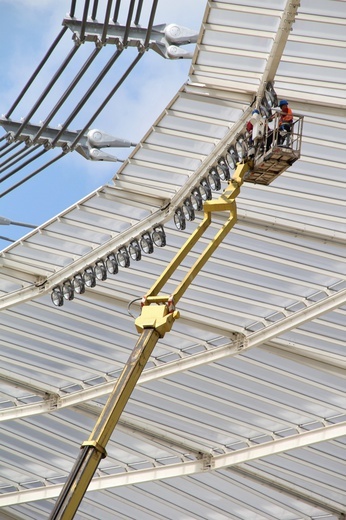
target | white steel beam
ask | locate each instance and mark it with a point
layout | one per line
(289, 489)
(296, 319)
(291, 508)
(262, 220)
(305, 214)
(9, 516)
(187, 468)
(334, 364)
(223, 6)
(287, 19)
(27, 383)
(34, 291)
(216, 354)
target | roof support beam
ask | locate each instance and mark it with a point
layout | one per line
(334, 364)
(44, 286)
(284, 225)
(281, 37)
(288, 489)
(27, 383)
(296, 319)
(230, 349)
(241, 456)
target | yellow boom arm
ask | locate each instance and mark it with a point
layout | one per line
(157, 318)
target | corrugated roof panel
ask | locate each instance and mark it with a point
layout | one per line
(189, 145)
(257, 356)
(193, 126)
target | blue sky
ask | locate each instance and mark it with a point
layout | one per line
(28, 27)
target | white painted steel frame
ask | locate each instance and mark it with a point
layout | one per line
(189, 468)
(213, 82)
(240, 345)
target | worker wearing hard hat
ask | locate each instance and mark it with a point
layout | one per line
(286, 119)
(286, 113)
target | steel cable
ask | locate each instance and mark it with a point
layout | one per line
(48, 88)
(36, 72)
(94, 10)
(5, 136)
(106, 22)
(138, 12)
(116, 11)
(32, 174)
(84, 20)
(128, 22)
(8, 147)
(24, 152)
(107, 99)
(73, 8)
(67, 92)
(86, 96)
(9, 174)
(151, 23)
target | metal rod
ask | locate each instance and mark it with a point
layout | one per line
(8, 147)
(5, 145)
(151, 23)
(36, 72)
(110, 95)
(5, 136)
(106, 22)
(128, 22)
(73, 8)
(9, 174)
(67, 92)
(48, 88)
(94, 10)
(23, 224)
(32, 174)
(24, 153)
(84, 19)
(138, 12)
(86, 96)
(7, 239)
(116, 11)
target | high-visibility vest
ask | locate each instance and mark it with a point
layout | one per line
(286, 117)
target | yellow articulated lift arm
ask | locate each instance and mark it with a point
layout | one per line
(157, 318)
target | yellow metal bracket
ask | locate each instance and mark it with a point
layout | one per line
(156, 317)
(97, 447)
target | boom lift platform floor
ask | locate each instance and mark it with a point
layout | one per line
(271, 164)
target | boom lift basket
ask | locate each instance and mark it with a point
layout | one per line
(276, 152)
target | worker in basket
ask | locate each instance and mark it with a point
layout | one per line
(285, 123)
(260, 135)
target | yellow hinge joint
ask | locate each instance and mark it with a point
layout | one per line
(156, 317)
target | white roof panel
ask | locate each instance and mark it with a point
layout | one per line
(240, 412)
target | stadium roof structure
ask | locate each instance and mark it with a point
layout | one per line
(240, 412)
